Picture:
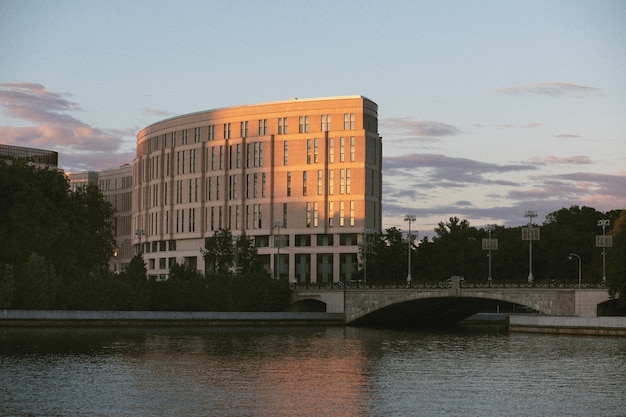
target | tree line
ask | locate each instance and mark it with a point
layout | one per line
(56, 243)
(456, 249)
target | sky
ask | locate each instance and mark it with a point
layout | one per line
(487, 108)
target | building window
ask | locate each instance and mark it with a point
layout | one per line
(342, 181)
(342, 150)
(284, 214)
(255, 185)
(185, 136)
(238, 165)
(263, 184)
(285, 152)
(211, 132)
(196, 135)
(302, 240)
(308, 151)
(331, 213)
(289, 184)
(341, 214)
(262, 127)
(316, 150)
(325, 240)
(221, 157)
(226, 130)
(348, 121)
(352, 146)
(348, 181)
(319, 182)
(243, 129)
(308, 214)
(303, 124)
(304, 182)
(315, 214)
(351, 213)
(282, 125)
(325, 122)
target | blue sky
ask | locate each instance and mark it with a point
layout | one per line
(486, 108)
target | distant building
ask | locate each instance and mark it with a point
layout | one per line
(301, 177)
(40, 157)
(117, 186)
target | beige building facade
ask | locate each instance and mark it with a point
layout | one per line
(303, 177)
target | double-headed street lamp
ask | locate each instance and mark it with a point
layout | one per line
(579, 277)
(530, 233)
(409, 218)
(604, 242)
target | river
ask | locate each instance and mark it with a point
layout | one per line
(313, 371)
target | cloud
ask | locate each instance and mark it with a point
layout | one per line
(555, 160)
(566, 136)
(415, 127)
(54, 127)
(554, 89)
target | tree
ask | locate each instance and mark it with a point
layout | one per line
(616, 263)
(7, 286)
(37, 284)
(387, 259)
(218, 251)
(247, 255)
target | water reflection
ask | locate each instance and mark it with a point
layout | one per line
(331, 371)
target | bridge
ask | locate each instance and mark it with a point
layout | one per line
(438, 303)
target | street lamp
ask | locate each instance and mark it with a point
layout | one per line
(530, 236)
(604, 243)
(579, 277)
(277, 225)
(490, 244)
(409, 218)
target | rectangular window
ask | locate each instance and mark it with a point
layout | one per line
(308, 151)
(209, 183)
(315, 214)
(260, 154)
(348, 181)
(348, 121)
(284, 214)
(217, 187)
(263, 185)
(341, 213)
(226, 130)
(212, 157)
(342, 181)
(238, 165)
(221, 162)
(325, 240)
(304, 182)
(316, 150)
(211, 132)
(331, 213)
(352, 146)
(282, 125)
(302, 240)
(256, 154)
(308, 214)
(285, 152)
(255, 186)
(342, 149)
(303, 124)
(196, 135)
(243, 129)
(325, 122)
(289, 184)
(185, 136)
(351, 213)
(319, 182)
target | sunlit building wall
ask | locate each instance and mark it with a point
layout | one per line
(302, 177)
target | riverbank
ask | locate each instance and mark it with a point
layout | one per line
(597, 326)
(77, 318)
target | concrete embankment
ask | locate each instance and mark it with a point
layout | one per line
(60, 318)
(598, 326)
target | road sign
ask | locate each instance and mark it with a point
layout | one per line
(530, 233)
(604, 241)
(490, 244)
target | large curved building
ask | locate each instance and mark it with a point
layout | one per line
(301, 176)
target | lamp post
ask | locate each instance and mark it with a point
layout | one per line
(277, 225)
(365, 249)
(530, 214)
(579, 277)
(409, 218)
(604, 243)
(490, 244)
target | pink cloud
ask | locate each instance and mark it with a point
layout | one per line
(53, 127)
(555, 160)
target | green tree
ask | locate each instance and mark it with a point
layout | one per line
(387, 259)
(616, 262)
(247, 255)
(7, 286)
(37, 285)
(218, 251)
